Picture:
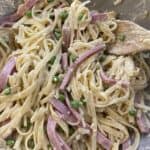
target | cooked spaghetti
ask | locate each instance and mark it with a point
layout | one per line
(62, 90)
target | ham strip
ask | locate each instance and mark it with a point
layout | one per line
(6, 72)
(55, 139)
(141, 119)
(126, 144)
(103, 141)
(78, 62)
(110, 81)
(66, 36)
(64, 112)
(64, 61)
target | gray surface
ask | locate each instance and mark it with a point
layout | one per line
(130, 9)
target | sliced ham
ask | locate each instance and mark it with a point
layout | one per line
(55, 139)
(141, 118)
(96, 16)
(64, 61)
(64, 112)
(66, 36)
(126, 144)
(78, 62)
(142, 122)
(104, 16)
(111, 81)
(104, 141)
(7, 70)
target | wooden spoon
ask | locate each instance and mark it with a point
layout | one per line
(134, 39)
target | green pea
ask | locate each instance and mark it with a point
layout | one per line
(132, 112)
(29, 13)
(10, 142)
(73, 57)
(63, 15)
(61, 97)
(76, 104)
(7, 91)
(57, 34)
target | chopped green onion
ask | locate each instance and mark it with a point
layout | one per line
(80, 16)
(50, 1)
(10, 142)
(51, 61)
(76, 104)
(31, 143)
(61, 97)
(73, 57)
(56, 79)
(29, 13)
(7, 91)
(121, 37)
(63, 15)
(132, 112)
(57, 34)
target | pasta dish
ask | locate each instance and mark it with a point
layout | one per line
(61, 89)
